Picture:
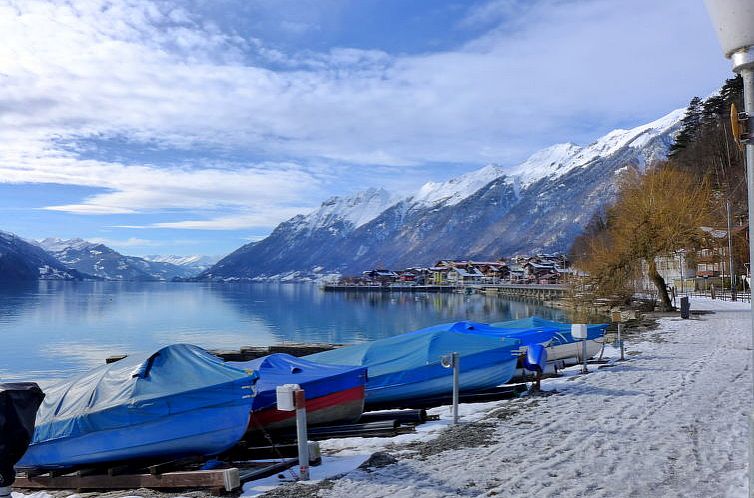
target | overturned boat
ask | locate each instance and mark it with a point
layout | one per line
(563, 347)
(409, 367)
(334, 393)
(179, 401)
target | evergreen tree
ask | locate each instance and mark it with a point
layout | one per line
(689, 126)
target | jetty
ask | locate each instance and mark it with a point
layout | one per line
(543, 292)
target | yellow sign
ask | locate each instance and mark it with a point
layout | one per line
(735, 126)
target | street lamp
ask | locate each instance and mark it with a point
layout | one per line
(733, 21)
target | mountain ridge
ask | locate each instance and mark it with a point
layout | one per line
(540, 204)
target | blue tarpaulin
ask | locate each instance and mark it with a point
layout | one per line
(180, 399)
(409, 364)
(315, 379)
(563, 335)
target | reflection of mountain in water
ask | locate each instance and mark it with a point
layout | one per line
(51, 329)
(303, 313)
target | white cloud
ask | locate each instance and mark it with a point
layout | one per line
(154, 71)
(129, 242)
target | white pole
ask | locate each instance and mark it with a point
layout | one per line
(620, 341)
(456, 387)
(583, 353)
(730, 256)
(748, 76)
(301, 435)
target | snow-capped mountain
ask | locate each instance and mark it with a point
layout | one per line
(541, 204)
(454, 191)
(195, 262)
(21, 260)
(100, 260)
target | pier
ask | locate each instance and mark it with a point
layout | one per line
(542, 292)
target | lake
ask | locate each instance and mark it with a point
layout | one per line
(52, 329)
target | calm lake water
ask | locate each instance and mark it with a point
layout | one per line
(52, 329)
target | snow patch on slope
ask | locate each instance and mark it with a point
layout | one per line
(357, 209)
(196, 260)
(453, 191)
(557, 160)
(54, 244)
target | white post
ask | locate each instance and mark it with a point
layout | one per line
(301, 435)
(456, 360)
(583, 353)
(620, 340)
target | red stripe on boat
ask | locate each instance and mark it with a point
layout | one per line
(272, 415)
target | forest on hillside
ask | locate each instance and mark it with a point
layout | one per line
(660, 211)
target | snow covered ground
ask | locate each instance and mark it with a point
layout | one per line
(671, 421)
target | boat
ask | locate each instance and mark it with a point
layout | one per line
(409, 366)
(333, 393)
(179, 401)
(563, 347)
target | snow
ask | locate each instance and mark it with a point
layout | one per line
(358, 209)
(559, 159)
(53, 244)
(194, 260)
(670, 421)
(454, 191)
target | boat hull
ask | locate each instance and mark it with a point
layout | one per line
(206, 431)
(572, 351)
(344, 406)
(477, 372)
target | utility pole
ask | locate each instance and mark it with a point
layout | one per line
(730, 255)
(733, 21)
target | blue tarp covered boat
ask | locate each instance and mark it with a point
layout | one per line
(179, 401)
(535, 334)
(563, 346)
(334, 393)
(408, 366)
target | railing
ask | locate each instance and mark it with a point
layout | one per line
(722, 295)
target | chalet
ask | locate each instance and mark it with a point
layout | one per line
(465, 275)
(493, 272)
(438, 275)
(381, 276)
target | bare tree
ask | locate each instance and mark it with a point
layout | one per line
(655, 214)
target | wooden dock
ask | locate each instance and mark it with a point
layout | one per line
(246, 353)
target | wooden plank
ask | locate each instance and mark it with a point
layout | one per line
(268, 470)
(163, 467)
(227, 479)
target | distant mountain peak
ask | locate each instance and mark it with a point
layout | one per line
(455, 190)
(357, 209)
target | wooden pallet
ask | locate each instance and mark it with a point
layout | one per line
(175, 474)
(215, 480)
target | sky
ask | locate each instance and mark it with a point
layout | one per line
(196, 126)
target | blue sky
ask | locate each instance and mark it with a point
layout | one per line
(195, 126)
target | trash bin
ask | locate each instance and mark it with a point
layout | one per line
(19, 402)
(685, 307)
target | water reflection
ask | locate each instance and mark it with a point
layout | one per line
(52, 329)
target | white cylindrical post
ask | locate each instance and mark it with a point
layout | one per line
(620, 340)
(301, 435)
(456, 360)
(583, 354)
